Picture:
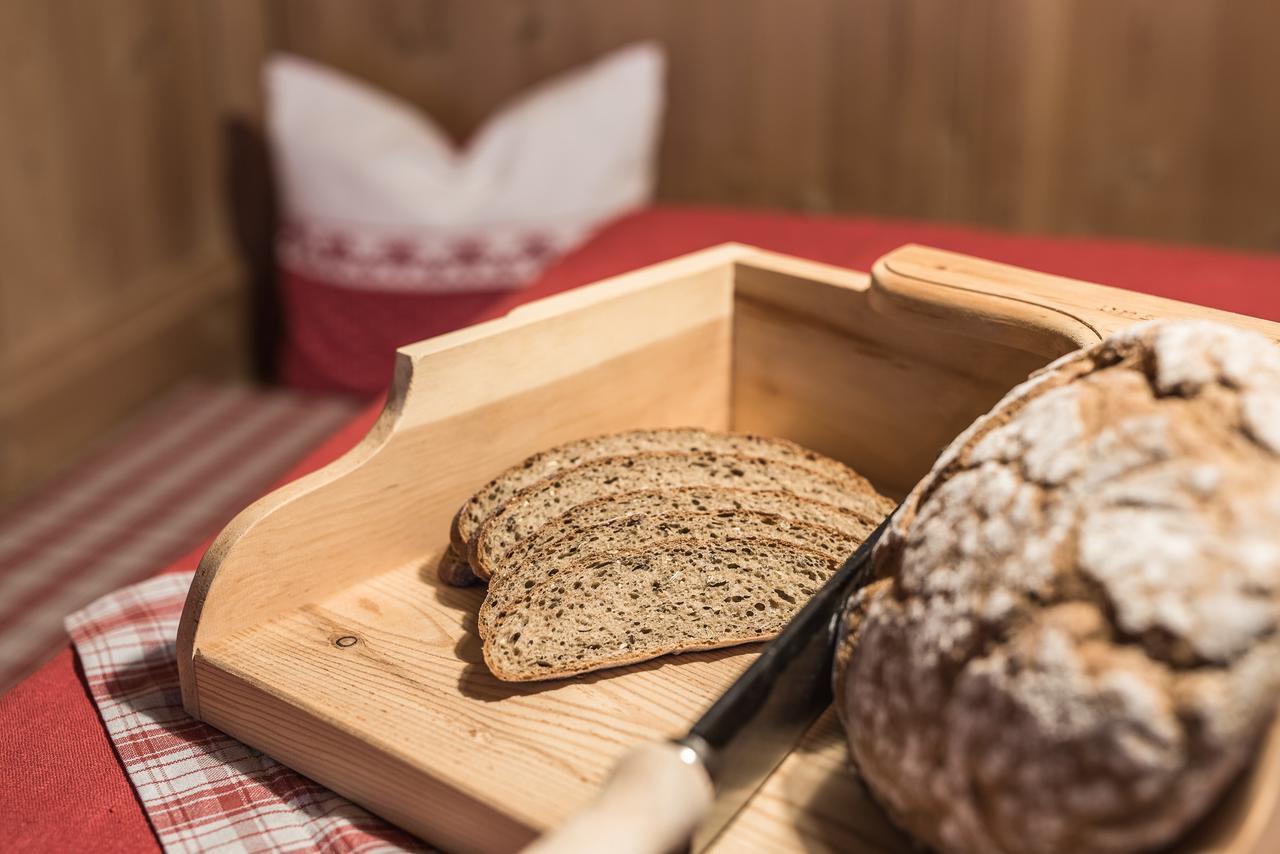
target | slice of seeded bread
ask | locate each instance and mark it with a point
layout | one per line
(698, 499)
(489, 498)
(695, 499)
(534, 506)
(676, 595)
(641, 530)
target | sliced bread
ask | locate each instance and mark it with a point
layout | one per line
(676, 595)
(641, 530)
(532, 507)
(699, 499)
(489, 498)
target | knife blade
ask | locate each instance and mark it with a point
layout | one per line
(751, 728)
(689, 789)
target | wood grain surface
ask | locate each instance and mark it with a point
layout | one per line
(814, 361)
(441, 741)
(317, 629)
(649, 348)
(1042, 313)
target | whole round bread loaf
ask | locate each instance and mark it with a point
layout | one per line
(1073, 645)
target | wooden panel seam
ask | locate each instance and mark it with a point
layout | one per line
(31, 375)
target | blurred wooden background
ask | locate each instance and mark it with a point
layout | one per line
(1158, 118)
(117, 274)
(129, 246)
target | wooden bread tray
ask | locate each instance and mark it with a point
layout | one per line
(316, 630)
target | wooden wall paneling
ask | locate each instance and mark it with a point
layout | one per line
(894, 118)
(73, 404)
(1001, 154)
(37, 207)
(709, 105)
(1143, 118)
(551, 38)
(748, 119)
(1027, 67)
(156, 132)
(788, 62)
(979, 100)
(111, 236)
(863, 95)
(1243, 169)
(458, 60)
(1135, 108)
(757, 67)
(239, 37)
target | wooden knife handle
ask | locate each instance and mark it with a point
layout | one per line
(651, 804)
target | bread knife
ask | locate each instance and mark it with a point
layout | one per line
(664, 796)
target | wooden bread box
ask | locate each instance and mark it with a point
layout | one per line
(317, 632)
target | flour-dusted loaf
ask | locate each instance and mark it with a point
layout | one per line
(489, 498)
(641, 530)
(534, 506)
(1076, 642)
(675, 596)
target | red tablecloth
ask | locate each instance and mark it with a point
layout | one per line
(61, 787)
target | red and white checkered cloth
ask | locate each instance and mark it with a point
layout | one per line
(202, 790)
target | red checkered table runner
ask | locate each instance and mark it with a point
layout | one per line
(202, 790)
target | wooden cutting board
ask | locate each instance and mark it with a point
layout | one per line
(317, 632)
